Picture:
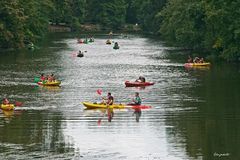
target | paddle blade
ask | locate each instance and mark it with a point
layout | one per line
(19, 104)
(99, 92)
(141, 107)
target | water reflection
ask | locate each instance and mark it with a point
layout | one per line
(195, 112)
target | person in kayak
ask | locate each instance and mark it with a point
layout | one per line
(196, 60)
(116, 45)
(110, 99)
(190, 60)
(201, 60)
(141, 79)
(109, 102)
(5, 101)
(42, 77)
(108, 41)
(137, 101)
(80, 54)
(51, 78)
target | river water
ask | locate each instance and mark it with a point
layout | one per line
(195, 114)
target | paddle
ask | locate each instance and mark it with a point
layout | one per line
(99, 92)
(18, 104)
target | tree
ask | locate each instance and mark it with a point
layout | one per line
(11, 24)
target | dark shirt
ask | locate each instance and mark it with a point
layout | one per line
(110, 100)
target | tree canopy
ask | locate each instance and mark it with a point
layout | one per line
(209, 25)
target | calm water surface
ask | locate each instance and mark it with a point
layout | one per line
(195, 114)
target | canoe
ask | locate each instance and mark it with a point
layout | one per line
(54, 83)
(207, 64)
(7, 107)
(90, 105)
(138, 84)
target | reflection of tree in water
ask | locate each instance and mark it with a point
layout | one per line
(207, 128)
(35, 132)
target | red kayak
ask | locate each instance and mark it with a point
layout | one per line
(137, 106)
(138, 84)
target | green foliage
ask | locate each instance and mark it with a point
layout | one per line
(69, 12)
(12, 20)
(147, 12)
(212, 25)
(111, 14)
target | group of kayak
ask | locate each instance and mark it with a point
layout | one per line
(116, 45)
(85, 41)
(109, 105)
(108, 102)
(196, 62)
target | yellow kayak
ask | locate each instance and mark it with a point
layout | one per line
(207, 64)
(53, 83)
(7, 107)
(90, 105)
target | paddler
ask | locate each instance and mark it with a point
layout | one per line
(109, 102)
(42, 78)
(137, 101)
(196, 60)
(190, 60)
(51, 78)
(116, 46)
(5, 101)
(141, 79)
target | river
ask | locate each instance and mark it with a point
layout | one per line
(195, 112)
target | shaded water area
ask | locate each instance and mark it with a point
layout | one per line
(195, 114)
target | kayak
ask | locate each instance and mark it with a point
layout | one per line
(54, 83)
(207, 64)
(7, 107)
(138, 84)
(90, 105)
